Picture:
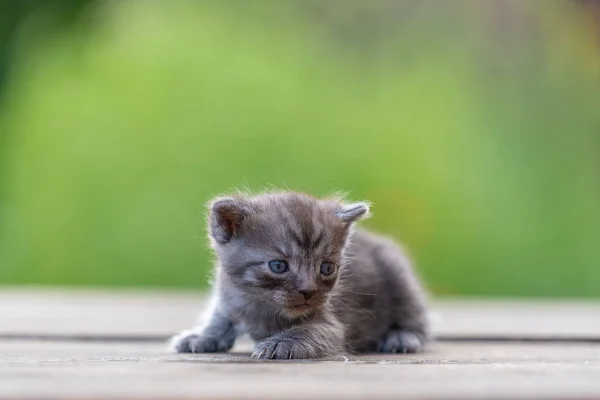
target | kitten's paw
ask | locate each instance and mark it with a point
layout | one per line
(397, 341)
(283, 349)
(194, 342)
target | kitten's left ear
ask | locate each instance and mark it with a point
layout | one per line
(352, 212)
(226, 217)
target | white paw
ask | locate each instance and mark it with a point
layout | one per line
(285, 349)
(398, 341)
(195, 342)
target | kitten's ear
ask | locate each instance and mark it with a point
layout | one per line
(226, 216)
(352, 212)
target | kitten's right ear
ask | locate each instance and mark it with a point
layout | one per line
(226, 216)
(350, 213)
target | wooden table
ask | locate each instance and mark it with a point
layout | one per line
(61, 344)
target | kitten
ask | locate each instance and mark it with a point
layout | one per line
(294, 275)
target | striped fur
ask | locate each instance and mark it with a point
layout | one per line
(371, 302)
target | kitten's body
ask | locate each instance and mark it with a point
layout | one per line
(371, 302)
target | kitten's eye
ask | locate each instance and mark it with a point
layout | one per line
(327, 268)
(278, 266)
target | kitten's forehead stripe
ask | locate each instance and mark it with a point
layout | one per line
(303, 216)
(311, 235)
(298, 241)
(300, 218)
(290, 222)
(318, 240)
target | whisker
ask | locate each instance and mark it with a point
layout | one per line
(346, 305)
(363, 293)
(364, 309)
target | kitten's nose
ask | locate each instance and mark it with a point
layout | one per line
(308, 293)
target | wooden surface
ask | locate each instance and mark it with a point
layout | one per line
(127, 356)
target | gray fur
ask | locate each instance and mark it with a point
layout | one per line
(372, 302)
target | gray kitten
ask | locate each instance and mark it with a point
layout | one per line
(294, 275)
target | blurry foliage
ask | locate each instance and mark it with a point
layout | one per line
(14, 12)
(472, 126)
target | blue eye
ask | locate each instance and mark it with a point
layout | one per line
(327, 268)
(278, 266)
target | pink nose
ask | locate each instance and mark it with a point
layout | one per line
(308, 293)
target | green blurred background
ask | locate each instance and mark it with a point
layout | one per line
(472, 126)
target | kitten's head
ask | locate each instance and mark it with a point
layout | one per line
(282, 250)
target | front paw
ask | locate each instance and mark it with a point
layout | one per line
(284, 349)
(399, 341)
(194, 342)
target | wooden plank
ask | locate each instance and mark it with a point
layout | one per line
(456, 370)
(127, 312)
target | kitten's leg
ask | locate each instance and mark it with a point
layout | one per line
(320, 338)
(409, 331)
(217, 336)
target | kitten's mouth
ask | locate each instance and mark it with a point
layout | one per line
(302, 306)
(298, 310)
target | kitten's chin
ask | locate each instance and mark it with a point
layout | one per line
(297, 311)
(300, 310)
